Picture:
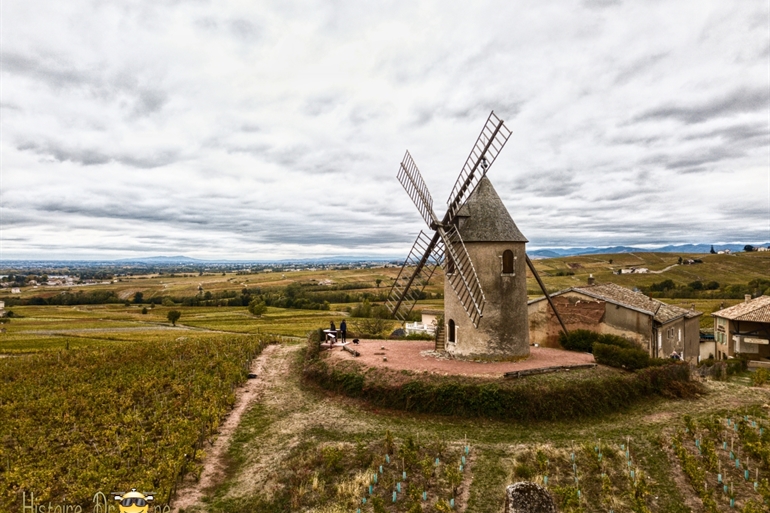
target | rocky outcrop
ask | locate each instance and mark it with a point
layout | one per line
(526, 497)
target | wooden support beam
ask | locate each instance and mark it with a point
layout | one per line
(547, 296)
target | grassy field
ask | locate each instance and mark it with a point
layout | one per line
(35, 328)
(737, 268)
(297, 423)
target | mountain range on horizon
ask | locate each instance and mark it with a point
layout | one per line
(338, 259)
(680, 248)
(537, 253)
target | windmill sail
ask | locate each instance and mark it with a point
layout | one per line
(446, 246)
(423, 259)
(490, 142)
(463, 277)
(411, 179)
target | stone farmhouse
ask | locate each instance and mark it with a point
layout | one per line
(658, 327)
(743, 328)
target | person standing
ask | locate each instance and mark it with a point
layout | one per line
(343, 330)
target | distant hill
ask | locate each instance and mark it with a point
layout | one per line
(179, 259)
(683, 248)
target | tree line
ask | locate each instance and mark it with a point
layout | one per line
(707, 290)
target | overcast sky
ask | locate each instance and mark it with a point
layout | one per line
(274, 129)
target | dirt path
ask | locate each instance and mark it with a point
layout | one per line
(293, 413)
(664, 269)
(214, 465)
(290, 414)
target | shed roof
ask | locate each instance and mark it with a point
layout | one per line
(756, 310)
(484, 217)
(615, 294)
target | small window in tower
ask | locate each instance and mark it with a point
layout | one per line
(451, 330)
(508, 262)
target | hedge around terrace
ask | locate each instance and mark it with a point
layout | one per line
(585, 393)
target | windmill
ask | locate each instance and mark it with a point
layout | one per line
(474, 208)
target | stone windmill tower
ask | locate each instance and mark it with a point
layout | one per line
(483, 256)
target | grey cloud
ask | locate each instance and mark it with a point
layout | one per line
(752, 133)
(639, 66)
(150, 101)
(85, 157)
(250, 128)
(646, 140)
(471, 109)
(244, 29)
(600, 3)
(549, 184)
(739, 101)
(92, 157)
(317, 105)
(111, 211)
(57, 73)
(694, 159)
(49, 70)
(151, 160)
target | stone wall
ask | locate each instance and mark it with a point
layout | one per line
(503, 332)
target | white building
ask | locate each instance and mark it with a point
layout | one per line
(427, 325)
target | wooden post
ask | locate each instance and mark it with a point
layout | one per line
(547, 296)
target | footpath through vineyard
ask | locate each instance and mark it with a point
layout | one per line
(280, 417)
(215, 465)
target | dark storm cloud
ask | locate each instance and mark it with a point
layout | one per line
(736, 102)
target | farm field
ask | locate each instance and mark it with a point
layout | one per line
(106, 417)
(35, 328)
(737, 268)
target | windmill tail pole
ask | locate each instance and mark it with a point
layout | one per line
(547, 296)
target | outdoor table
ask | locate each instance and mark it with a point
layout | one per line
(331, 336)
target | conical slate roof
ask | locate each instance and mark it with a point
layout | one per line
(484, 217)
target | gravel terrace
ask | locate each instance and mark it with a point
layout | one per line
(411, 355)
